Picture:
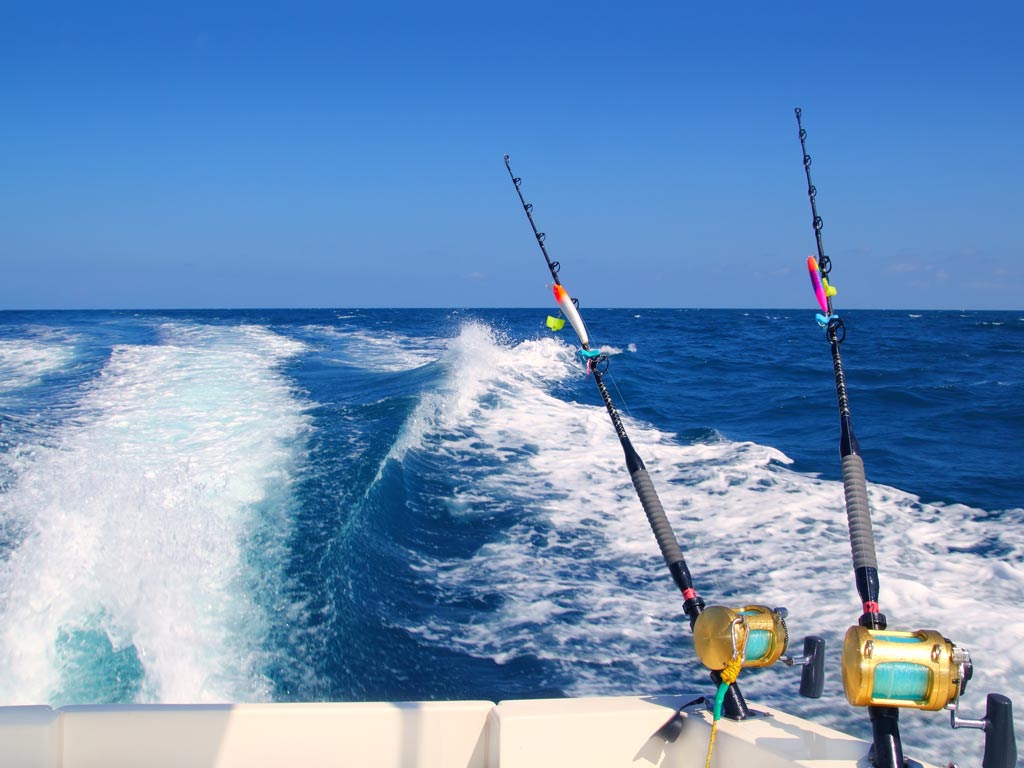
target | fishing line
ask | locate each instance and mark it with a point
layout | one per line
(709, 574)
(615, 383)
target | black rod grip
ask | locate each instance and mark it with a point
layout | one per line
(656, 517)
(858, 515)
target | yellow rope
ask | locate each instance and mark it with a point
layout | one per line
(732, 670)
(729, 675)
(711, 744)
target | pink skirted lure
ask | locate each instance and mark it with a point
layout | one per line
(819, 289)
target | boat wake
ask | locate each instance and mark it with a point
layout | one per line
(134, 577)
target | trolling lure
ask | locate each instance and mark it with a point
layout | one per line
(886, 670)
(716, 629)
(570, 311)
(591, 357)
(822, 291)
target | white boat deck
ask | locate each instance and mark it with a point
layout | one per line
(590, 732)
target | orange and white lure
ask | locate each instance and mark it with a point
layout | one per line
(571, 313)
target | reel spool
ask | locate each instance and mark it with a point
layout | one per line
(755, 634)
(918, 670)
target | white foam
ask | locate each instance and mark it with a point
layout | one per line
(480, 367)
(580, 582)
(384, 352)
(25, 362)
(139, 519)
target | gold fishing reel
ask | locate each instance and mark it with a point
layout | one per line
(919, 670)
(755, 634)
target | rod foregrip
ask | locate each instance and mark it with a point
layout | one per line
(862, 540)
(693, 605)
(656, 517)
(858, 515)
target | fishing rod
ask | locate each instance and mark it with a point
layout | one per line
(887, 670)
(725, 639)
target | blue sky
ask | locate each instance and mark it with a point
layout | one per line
(158, 155)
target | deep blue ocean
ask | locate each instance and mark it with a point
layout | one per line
(298, 505)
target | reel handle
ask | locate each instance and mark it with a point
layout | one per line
(1000, 742)
(812, 677)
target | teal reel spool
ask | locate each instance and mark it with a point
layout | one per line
(755, 633)
(919, 670)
